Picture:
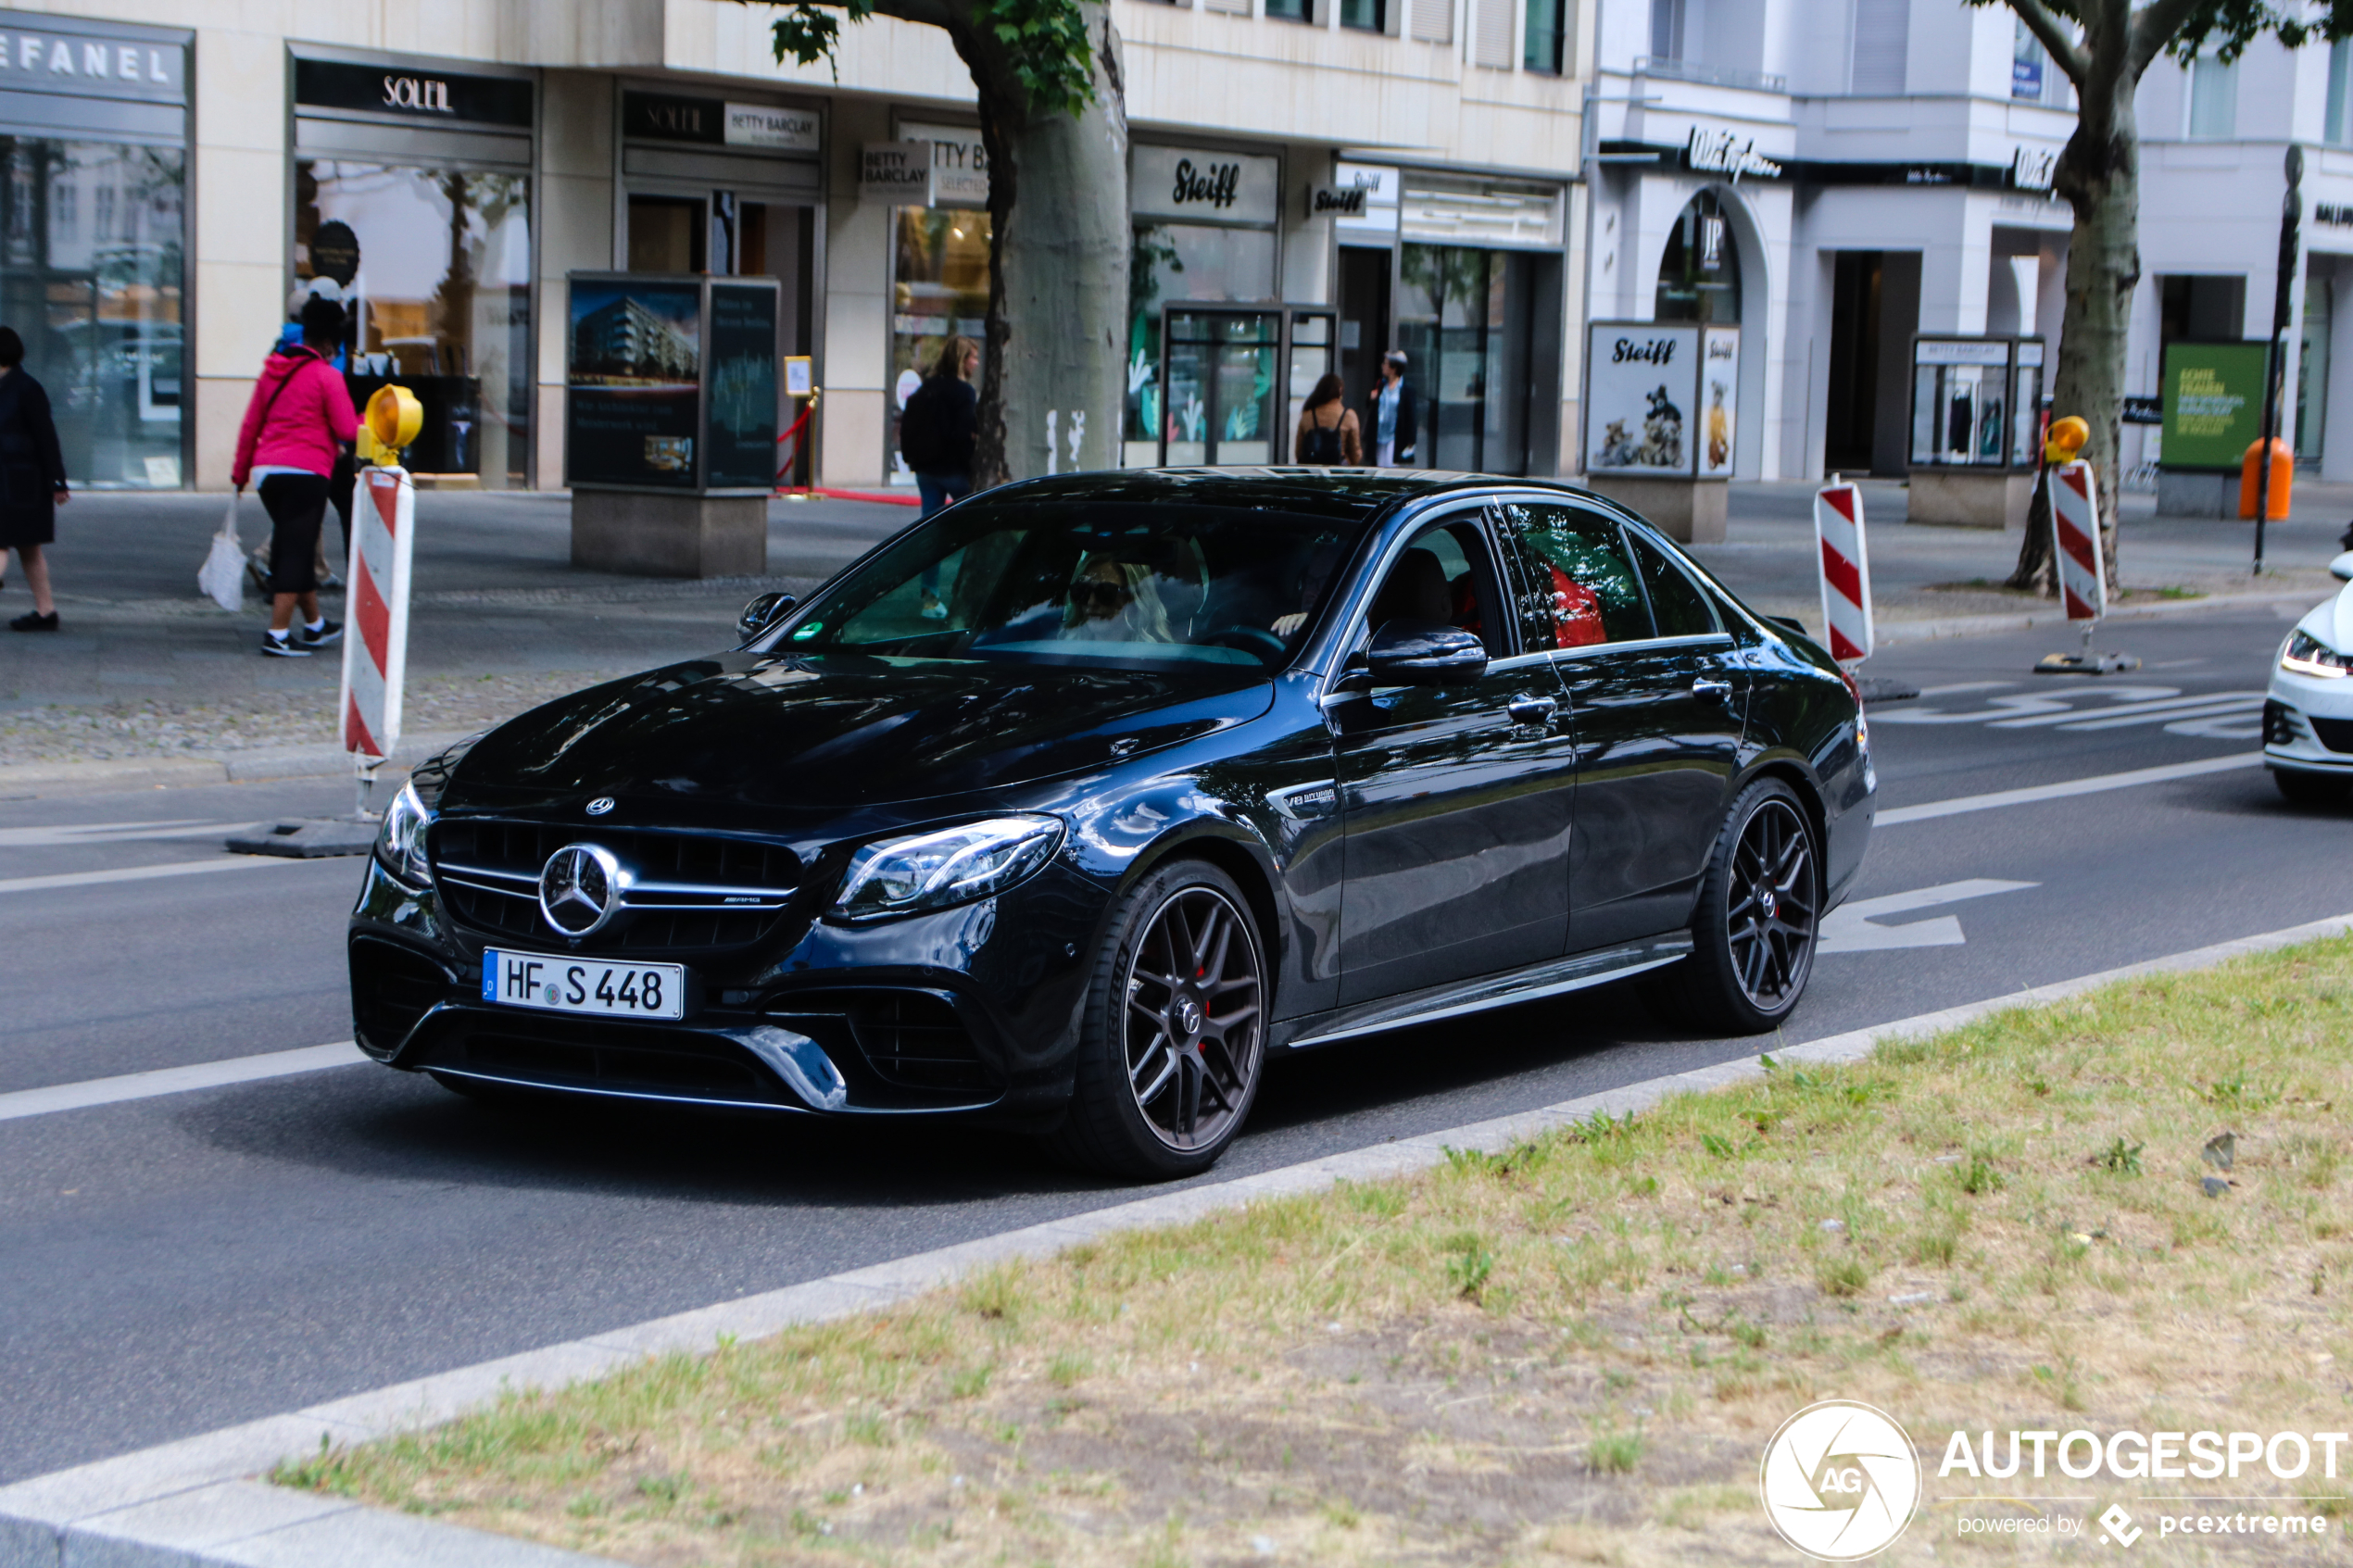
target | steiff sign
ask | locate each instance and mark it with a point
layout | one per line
(1198, 184)
(1338, 201)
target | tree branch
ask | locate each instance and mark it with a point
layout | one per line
(2051, 34)
(2153, 29)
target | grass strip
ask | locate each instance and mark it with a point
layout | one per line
(1571, 1351)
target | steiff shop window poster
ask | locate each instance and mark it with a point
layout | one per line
(1720, 397)
(1642, 389)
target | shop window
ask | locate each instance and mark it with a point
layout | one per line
(1699, 276)
(2214, 99)
(939, 289)
(1541, 48)
(1465, 320)
(441, 281)
(667, 234)
(100, 313)
(1181, 261)
(1371, 15)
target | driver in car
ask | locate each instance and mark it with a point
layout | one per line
(1114, 601)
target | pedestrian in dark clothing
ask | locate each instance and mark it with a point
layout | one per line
(1328, 434)
(1394, 423)
(935, 432)
(299, 420)
(33, 480)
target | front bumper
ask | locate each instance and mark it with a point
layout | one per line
(2309, 730)
(969, 1010)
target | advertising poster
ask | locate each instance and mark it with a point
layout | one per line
(1641, 388)
(1719, 401)
(2213, 394)
(634, 383)
(742, 436)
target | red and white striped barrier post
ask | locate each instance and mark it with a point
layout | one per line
(375, 647)
(1846, 571)
(2082, 571)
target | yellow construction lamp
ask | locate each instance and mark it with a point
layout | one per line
(393, 419)
(2067, 438)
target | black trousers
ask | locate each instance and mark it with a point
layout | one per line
(296, 504)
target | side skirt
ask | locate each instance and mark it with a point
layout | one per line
(1549, 979)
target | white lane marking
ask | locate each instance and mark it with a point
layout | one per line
(1961, 805)
(1853, 927)
(2009, 709)
(113, 833)
(141, 873)
(2132, 712)
(177, 1080)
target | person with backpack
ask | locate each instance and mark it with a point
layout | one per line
(1328, 434)
(299, 420)
(936, 431)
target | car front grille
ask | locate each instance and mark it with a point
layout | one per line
(666, 1064)
(688, 891)
(391, 988)
(911, 1039)
(2335, 734)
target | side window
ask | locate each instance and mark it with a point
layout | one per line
(1678, 603)
(1442, 578)
(1576, 586)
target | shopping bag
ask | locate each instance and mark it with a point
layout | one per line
(222, 576)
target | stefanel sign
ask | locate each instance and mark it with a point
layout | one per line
(55, 57)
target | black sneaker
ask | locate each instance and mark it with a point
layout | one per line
(34, 622)
(327, 637)
(282, 647)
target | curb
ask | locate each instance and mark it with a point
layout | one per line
(189, 1504)
(30, 781)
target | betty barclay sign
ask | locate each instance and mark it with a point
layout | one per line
(1721, 152)
(1196, 184)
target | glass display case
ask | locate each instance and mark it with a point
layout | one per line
(1237, 378)
(1976, 402)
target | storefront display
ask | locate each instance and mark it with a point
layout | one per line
(413, 190)
(93, 238)
(1976, 402)
(670, 383)
(1205, 232)
(1641, 382)
(940, 271)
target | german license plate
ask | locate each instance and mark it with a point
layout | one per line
(560, 984)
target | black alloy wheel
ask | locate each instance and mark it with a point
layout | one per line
(1758, 921)
(1173, 1042)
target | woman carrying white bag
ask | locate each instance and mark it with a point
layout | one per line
(300, 418)
(221, 577)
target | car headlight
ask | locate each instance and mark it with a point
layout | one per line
(933, 870)
(2307, 655)
(400, 843)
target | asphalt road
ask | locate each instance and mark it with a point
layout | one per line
(176, 1263)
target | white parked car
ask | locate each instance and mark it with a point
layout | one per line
(2307, 714)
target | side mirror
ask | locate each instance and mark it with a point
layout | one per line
(763, 613)
(2341, 568)
(1421, 653)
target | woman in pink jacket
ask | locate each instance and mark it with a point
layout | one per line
(300, 416)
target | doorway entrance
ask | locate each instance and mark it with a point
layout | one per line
(1364, 319)
(1467, 320)
(1875, 304)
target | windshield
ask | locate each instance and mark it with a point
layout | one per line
(1124, 584)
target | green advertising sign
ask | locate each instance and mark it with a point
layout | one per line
(2213, 403)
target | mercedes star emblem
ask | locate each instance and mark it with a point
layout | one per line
(580, 888)
(599, 806)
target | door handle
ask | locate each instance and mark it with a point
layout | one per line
(1712, 691)
(1532, 710)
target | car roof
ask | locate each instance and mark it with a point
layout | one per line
(1341, 494)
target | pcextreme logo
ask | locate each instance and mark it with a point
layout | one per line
(1840, 1481)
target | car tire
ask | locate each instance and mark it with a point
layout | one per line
(1168, 1065)
(2301, 788)
(1753, 935)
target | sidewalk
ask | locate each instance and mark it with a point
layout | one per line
(148, 669)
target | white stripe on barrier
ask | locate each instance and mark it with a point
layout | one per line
(1846, 567)
(375, 650)
(2075, 525)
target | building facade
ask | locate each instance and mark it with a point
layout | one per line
(1834, 181)
(178, 168)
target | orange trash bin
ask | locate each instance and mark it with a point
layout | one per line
(2250, 476)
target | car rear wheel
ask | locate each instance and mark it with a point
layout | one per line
(1172, 1044)
(1758, 921)
(2308, 789)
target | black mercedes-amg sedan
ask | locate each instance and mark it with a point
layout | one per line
(1068, 805)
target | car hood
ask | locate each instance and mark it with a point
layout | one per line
(845, 730)
(2332, 623)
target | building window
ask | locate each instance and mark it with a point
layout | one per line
(1541, 48)
(2340, 123)
(1288, 10)
(2214, 99)
(2030, 65)
(1882, 37)
(1372, 16)
(1666, 30)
